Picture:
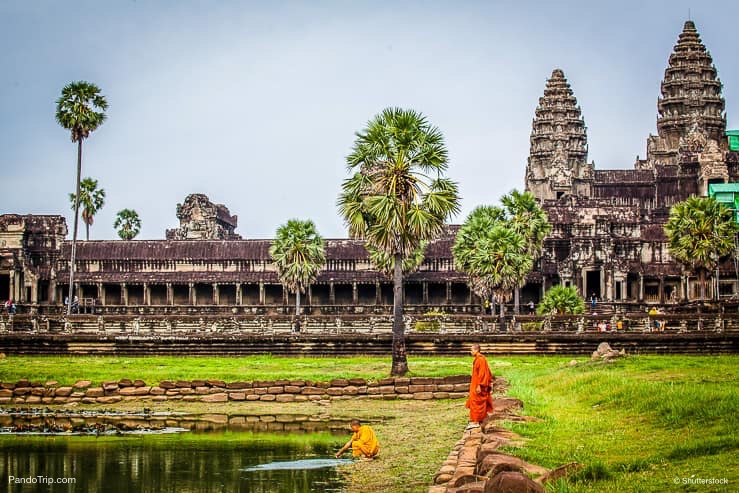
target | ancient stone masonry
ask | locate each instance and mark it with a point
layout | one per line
(607, 229)
(201, 219)
(418, 388)
(607, 225)
(691, 97)
(559, 145)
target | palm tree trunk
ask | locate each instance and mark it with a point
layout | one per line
(297, 309)
(516, 300)
(87, 231)
(400, 362)
(74, 231)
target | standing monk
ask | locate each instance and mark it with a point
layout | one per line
(480, 401)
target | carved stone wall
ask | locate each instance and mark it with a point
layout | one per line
(201, 219)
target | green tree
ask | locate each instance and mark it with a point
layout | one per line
(92, 200)
(700, 230)
(299, 253)
(128, 224)
(80, 109)
(561, 300)
(492, 253)
(397, 198)
(529, 220)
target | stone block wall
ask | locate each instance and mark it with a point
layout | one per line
(108, 392)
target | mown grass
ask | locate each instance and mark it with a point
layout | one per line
(635, 424)
(152, 369)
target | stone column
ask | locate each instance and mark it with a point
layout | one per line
(378, 293)
(285, 295)
(216, 294)
(309, 295)
(147, 294)
(641, 287)
(448, 292)
(425, 291)
(11, 290)
(543, 286)
(101, 293)
(192, 295)
(52, 291)
(355, 293)
(331, 294)
(124, 294)
(261, 293)
(239, 295)
(661, 289)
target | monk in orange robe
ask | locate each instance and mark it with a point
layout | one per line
(480, 400)
(363, 442)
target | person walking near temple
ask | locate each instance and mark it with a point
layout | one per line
(480, 400)
(363, 442)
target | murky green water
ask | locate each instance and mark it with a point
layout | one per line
(222, 461)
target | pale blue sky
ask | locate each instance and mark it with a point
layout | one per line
(256, 103)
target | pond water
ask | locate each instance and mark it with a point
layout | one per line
(217, 459)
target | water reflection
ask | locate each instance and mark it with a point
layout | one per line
(210, 462)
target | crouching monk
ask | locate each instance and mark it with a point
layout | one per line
(480, 400)
(363, 442)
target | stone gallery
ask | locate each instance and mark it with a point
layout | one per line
(607, 227)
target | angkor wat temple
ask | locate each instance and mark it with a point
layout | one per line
(607, 235)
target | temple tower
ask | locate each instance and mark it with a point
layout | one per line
(557, 164)
(201, 219)
(691, 107)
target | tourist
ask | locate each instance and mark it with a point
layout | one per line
(593, 301)
(480, 400)
(531, 307)
(11, 308)
(76, 304)
(363, 442)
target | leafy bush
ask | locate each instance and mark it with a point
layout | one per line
(560, 300)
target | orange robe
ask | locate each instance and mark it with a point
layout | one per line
(364, 442)
(480, 404)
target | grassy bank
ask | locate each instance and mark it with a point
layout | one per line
(636, 424)
(152, 369)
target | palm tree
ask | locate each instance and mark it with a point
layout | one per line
(127, 223)
(299, 253)
(398, 198)
(492, 253)
(79, 109)
(92, 200)
(700, 230)
(529, 220)
(561, 300)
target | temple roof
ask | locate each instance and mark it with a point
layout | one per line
(691, 89)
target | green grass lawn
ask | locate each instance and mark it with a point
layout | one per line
(635, 424)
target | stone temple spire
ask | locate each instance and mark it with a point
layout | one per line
(691, 98)
(558, 156)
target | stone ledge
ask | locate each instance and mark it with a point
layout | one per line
(24, 391)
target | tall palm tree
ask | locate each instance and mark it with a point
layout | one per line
(492, 254)
(92, 200)
(299, 253)
(561, 300)
(529, 220)
(398, 198)
(79, 109)
(128, 224)
(700, 230)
